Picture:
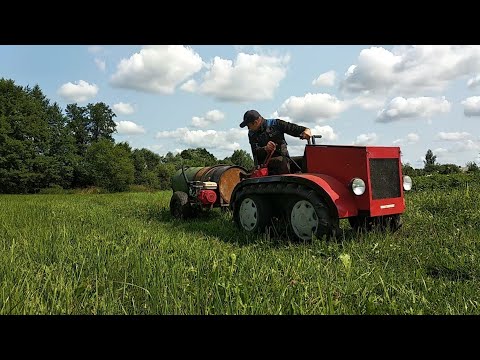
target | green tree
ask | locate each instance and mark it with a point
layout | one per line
(28, 161)
(407, 169)
(165, 173)
(110, 165)
(87, 125)
(430, 162)
(101, 124)
(146, 165)
(242, 158)
(198, 157)
(448, 169)
(472, 167)
(78, 124)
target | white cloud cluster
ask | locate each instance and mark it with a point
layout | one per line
(367, 101)
(296, 146)
(411, 69)
(401, 108)
(157, 69)
(250, 77)
(189, 86)
(311, 108)
(123, 108)
(473, 82)
(471, 106)
(366, 139)
(211, 117)
(100, 64)
(453, 136)
(208, 139)
(410, 139)
(129, 128)
(79, 92)
(327, 132)
(325, 79)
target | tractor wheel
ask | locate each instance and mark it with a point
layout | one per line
(309, 216)
(361, 223)
(251, 213)
(393, 222)
(180, 206)
(381, 223)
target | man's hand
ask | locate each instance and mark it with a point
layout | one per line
(306, 135)
(270, 146)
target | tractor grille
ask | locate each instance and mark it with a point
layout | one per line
(384, 178)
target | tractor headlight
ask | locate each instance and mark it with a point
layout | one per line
(407, 183)
(358, 186)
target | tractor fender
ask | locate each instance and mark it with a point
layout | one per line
(338, 197)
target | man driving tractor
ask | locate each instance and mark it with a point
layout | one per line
(267, 135)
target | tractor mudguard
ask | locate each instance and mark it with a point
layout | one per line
(333, 191)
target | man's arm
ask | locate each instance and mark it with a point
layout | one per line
(293, 129)
(257, 151)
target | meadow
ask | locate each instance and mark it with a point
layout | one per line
(123, 253)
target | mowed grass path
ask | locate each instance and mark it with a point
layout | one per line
(124, 254)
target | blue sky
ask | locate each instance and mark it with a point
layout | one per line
(170, 98)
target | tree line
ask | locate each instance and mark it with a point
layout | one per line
(42, 146)
(431, 166)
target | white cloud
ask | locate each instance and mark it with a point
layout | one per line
(189, 86)
(473, 82)
(155, 148)
(248, 78)
(95, 49)
(439, 151)
(367, 101)
(129, 128)
(100, 64)
(471, 106)
(453, 136)
(296, 146)
(411, 69)
(326, 131)
(365, 139)
(123, 108)
(410, 139)
(325, 79)
(212, 117)
(157, 69)
(246, 48)
(467, 145)
(312, 108)
(208, 139)
(401, 108)
(79, 92)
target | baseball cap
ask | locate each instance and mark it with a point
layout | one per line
(249, 116)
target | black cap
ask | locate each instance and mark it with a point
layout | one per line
(249, 116)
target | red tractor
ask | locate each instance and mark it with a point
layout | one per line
(330, 182)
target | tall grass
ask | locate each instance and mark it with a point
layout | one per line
(125, 254)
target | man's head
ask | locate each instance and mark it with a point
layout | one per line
(252, 119)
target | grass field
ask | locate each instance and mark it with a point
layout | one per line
(124, 254)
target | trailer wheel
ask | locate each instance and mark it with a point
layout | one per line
(180, 206)
(309, 215)
(251, 213)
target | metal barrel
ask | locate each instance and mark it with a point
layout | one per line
(178, 180)
(226, 177)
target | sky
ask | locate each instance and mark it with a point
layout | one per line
(168, 98)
